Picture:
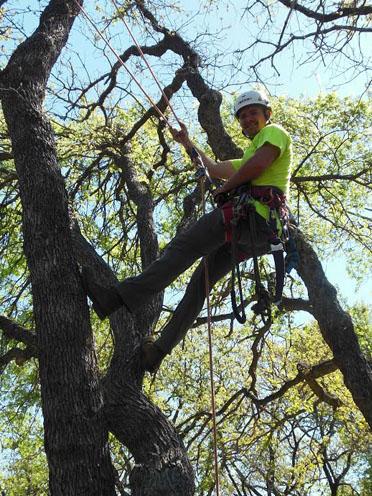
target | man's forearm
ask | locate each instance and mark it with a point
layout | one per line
(253, 168)
(244, 175)
(212, 166)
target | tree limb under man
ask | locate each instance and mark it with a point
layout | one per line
(265, 170)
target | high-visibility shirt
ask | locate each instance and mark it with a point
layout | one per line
(279, 172)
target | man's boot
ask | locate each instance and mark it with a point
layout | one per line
(152, 355)
(105, 300)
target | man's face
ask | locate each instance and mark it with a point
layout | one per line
(252, 119)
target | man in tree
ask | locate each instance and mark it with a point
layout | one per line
(265, 163)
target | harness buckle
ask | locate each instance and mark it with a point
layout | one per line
(242, 204)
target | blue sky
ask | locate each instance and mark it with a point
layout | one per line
(233, 31)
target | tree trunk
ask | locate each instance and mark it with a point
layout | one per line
(337, 329)
(78, 408)
(161, 464)
(75, 432)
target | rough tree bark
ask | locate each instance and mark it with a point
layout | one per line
(75, 432)
(162, 467)
(337, 328)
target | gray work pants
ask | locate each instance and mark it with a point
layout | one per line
(205, 238)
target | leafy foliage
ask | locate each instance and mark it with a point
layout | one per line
(284, 443)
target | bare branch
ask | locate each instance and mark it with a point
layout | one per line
(169, 90)
(19, 355)
(305, 372)
(296, 305)
(12, 330)
(331, 177)
(363, 10)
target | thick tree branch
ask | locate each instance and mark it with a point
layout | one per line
(337, 328)
(55, 24)
(256, 348)
(296, 305)
(156, 50)
(169, 90)
(309, 373)
(304, 373)
(364, 10)
(70, 394)
(12, 330)
(323, 395)
(161, 460)
(210, 100)
(140, 194)
(19, 355)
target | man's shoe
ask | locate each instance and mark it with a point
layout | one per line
(152, 355)
(105, 300)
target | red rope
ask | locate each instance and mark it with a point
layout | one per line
(207, 289)
(146, 61)
(162, 116)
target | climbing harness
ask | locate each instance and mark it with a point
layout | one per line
(262, 307)
(240, 204)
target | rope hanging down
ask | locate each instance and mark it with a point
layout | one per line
(198, 161)
(196, 158)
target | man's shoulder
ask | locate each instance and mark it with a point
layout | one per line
(274, 128)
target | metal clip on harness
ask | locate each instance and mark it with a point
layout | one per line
(243, 208)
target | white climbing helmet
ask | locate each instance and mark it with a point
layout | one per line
(252, 97)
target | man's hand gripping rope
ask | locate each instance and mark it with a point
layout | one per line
(182, 137)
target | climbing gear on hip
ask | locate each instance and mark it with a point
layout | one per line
(240, 204)
(244, 209)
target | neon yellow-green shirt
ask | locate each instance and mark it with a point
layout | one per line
(279, 172)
